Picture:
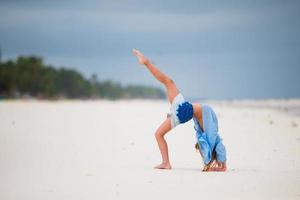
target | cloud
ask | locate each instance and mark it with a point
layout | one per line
(230, 41)
(147, 22)
(182, 23)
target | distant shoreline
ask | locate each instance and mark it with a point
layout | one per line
(287, 106)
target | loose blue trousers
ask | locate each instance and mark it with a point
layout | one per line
(209, 138)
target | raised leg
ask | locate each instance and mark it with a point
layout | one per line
(171, 88)
(172, 92)
(164, 128)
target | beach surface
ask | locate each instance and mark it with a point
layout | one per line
(107, 150)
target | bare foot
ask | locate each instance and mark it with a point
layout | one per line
(163, 166)
(142, 59)
(207, 167)
(217, 167)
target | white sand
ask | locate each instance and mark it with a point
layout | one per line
(106, 150)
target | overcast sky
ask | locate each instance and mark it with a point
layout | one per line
(212, 49)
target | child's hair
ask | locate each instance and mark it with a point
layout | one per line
(213, 156)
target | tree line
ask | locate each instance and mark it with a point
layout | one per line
(30, 77)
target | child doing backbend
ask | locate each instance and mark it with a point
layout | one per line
(209, 143)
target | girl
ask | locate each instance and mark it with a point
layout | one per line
(208, 143)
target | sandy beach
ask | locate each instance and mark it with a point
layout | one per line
(107, 150)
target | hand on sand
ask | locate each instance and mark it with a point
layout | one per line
(215, 166)
(142, 59)
(163, 166)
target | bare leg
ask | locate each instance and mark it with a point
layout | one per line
(162, 144)
(165, 127)
(172, 90)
